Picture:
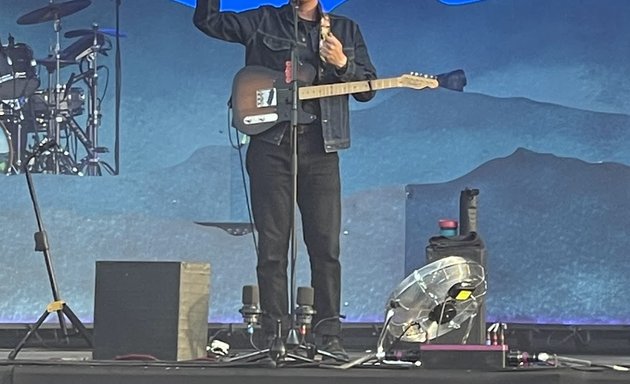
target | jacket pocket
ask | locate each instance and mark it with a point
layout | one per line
(276, 43)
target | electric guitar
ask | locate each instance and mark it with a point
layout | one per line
(261, 97)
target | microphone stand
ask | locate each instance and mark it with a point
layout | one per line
(292, 337)
(118, 67)
(276, 351)
(292, 340)
(41, 245)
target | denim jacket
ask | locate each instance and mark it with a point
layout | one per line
(267, 34)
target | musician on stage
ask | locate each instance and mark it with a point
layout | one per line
(337, 54)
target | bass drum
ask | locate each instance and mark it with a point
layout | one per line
(18, 74)
(6, 150)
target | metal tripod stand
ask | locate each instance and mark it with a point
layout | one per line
(276, 353)
(41, 245)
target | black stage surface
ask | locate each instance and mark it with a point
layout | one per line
(31, 368)
(47, 359)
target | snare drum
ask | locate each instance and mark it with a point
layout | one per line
(18, 74)
(6, 150)
(70, 103)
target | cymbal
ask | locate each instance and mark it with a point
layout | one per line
(53, 11)
(102, 31)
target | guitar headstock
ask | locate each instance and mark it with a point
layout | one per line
(417, 80)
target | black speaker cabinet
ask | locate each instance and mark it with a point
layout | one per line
(152, 308)
(470, 247)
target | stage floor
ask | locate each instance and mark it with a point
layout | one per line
(45, 366)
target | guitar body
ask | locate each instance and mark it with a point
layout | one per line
(261, 99)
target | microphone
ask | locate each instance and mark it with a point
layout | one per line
(251, 306)
(305, 311)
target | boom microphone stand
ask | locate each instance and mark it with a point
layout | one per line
(41, 245)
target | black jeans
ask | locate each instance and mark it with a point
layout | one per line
(319, 202)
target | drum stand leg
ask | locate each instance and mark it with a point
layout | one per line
(20, 145)
(91, 161)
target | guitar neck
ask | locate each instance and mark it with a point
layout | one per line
(327, 90)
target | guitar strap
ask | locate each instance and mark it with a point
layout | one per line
(324, 31)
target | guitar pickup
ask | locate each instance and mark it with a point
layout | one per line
(259, 119)
(266, 98)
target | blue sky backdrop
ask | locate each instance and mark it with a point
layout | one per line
(240, 5)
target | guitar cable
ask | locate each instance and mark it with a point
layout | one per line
(238, 145)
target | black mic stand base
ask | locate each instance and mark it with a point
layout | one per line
(267, 354)
(62, 309)
(276, 354)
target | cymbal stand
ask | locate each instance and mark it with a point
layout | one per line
(57, 160)
(92, 161)
(54, 123)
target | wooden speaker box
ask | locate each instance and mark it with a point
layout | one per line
(151, 308)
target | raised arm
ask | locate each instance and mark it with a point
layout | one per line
(229, 26)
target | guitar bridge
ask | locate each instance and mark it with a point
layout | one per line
(266, 98)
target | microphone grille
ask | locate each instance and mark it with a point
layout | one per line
(305, 296)
(251, 296)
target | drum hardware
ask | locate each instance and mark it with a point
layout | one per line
(50, 112)
(6, 150)
(91, 164)
(52, 159)
(51, 64)
(12, 117)
(71, 102)
(102, 31)
(18, 75)
(53, 11)
(56, 160)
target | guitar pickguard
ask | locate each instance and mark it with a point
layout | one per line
(266, 98)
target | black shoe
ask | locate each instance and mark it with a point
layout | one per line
(332, 345)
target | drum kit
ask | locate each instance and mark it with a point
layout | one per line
(31, 117)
